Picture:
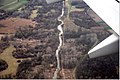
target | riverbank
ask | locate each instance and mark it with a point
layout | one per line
(59, 27)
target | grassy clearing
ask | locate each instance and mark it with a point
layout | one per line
(11, 61)
(73, 8)
(1, 35)
(34, 14)
(14, 5)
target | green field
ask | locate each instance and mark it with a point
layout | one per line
(4, 2)
(11, 5)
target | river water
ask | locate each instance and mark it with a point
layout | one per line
(59, 27)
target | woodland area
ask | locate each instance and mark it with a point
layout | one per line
(33, 48)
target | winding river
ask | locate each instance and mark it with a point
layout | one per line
(59, 27)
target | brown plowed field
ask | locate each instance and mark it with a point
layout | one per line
(11, 24)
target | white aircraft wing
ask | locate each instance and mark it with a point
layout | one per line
(108, 10)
